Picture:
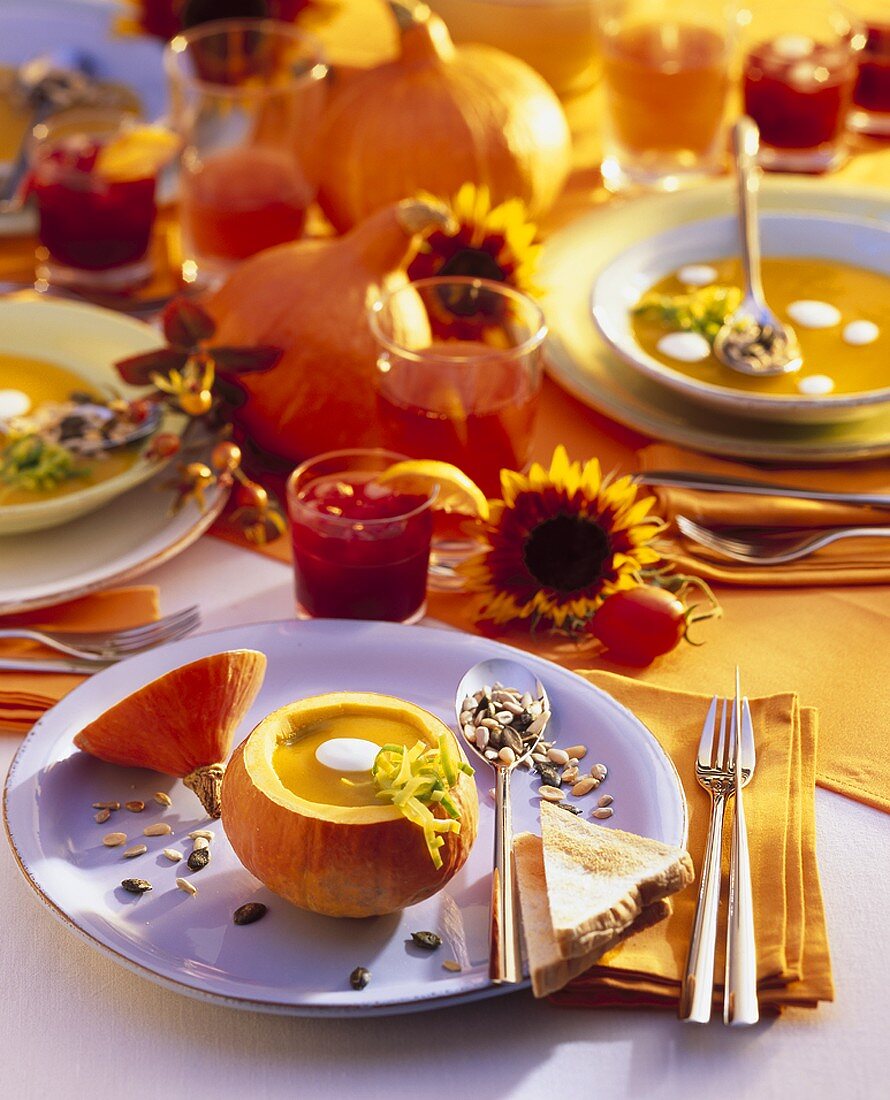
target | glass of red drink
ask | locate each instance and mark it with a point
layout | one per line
(798, 76)
(93, 176)
(247, 96)
(459, 373)
(871, 95)
(361, 550)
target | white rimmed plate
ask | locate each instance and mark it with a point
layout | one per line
(621, 283)
(580, 360)
(88, 341)
(296, 962)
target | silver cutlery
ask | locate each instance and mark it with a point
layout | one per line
(752, 340)
(39, 664)
(505, 964)
(740, 1007)
(102, 647)
(714, 772)
(774, 549)
(718, 483)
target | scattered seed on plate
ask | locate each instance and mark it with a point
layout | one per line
(136, 806)
(204, 834)
(199, 859)
(577, 751)
(551, 794)
(249, 913)
(605, 800)
(162, 798)
(172, 855)
(102, 816)
(200, 843)
(569, 775)
(186, 886)
(112, 840)
(568, 806)
(584, 786)
(136, 850)
(360, 977)
(599, 771)
(106, 805)
(603, 812)
(136, 885)
(558, 756)
(428, 940)
(160, 828)
(452, 965)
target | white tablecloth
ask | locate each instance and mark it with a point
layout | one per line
(74, 1024)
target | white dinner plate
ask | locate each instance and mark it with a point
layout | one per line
(579, 359)
(296, 962)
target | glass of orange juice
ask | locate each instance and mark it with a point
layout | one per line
(247, 97)
(666, 75)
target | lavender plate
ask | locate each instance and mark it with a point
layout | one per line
(295, 962)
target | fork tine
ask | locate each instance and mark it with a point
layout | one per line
(172, 622)
(136, 632)
(174, 629)
(706, 741)
(718, 757)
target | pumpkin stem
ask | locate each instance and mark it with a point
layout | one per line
(424, 35)
(206, 782)
(417, 216)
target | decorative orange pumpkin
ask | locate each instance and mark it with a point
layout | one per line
(437, 117)
(344, 861)
(311, 298)
(182, 723)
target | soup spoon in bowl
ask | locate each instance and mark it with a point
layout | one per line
(753, 340)
(491, 679)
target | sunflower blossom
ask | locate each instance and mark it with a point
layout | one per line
(559, 542)
(490, 242)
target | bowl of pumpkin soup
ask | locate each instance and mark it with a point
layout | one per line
(57, 376)
(660, 304)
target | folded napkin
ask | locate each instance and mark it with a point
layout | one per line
(794, 967)
(25, 696)
(855, 561)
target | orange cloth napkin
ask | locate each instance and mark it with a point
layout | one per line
(25, 696)
(856, 561)
(794, 966)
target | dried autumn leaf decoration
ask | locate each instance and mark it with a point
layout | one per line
(559, 542)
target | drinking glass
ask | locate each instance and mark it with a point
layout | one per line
(871, 93)
(666, 76)
(798, 75)
(247, 97)
(361, 549)
(96, 208)
(459, 373)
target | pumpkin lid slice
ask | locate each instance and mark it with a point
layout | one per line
(182, 723)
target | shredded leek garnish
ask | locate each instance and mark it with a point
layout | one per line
(414, 778)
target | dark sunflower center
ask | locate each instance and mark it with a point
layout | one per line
(473, 261)
(567, 552)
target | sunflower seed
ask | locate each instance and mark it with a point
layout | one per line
(537, 725)
(470, 733)
(483, 735)
(428, 940)
(206, 834)
(569, 775)
(507, 756)
(490, 723)
(599, 771)
(584, 786)
(106, 805)
(452, 965)
(249, 913)
(603, 812)
(360, 977)
(136, 850)
(172, 855)
(200, 843)
(605, 800)
(186, 886)
(199, 859)
(558, 756)
(102, 816)
(491, 754)
(539, 758)
(551, 794)
(549, 775)
(135, 807)
(513, 741)
(514, 709)
(136, 885)
(568, 806)
(162, 798)
(160, 828)
(505, 717)
(526, 699)
(112, 840)
(573, 760)
(578, 751)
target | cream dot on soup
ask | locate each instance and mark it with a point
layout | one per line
(686, 347)
(697, 275)
(810, 313)
(13, 403)
(347, 754)
(860, 333)
(814, 385)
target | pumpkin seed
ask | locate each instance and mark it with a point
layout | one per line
(584, 786)
(162, 798)
(428, 940)
(551, 794)
(249, 913)
(102, 816)
(578, 751)
(186, 886)
(172, 855)
(204, 834)
(160, 828)
(135, 807)
(360, 977)
(603, 812)
(106, 805)
(452, 965)
(199, 859)
(112, 840)
(136, 885)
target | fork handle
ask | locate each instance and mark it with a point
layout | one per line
(698, 978)
(740, 986)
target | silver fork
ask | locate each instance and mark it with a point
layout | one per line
(776, 548)
(713, 770)
(112, 645)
